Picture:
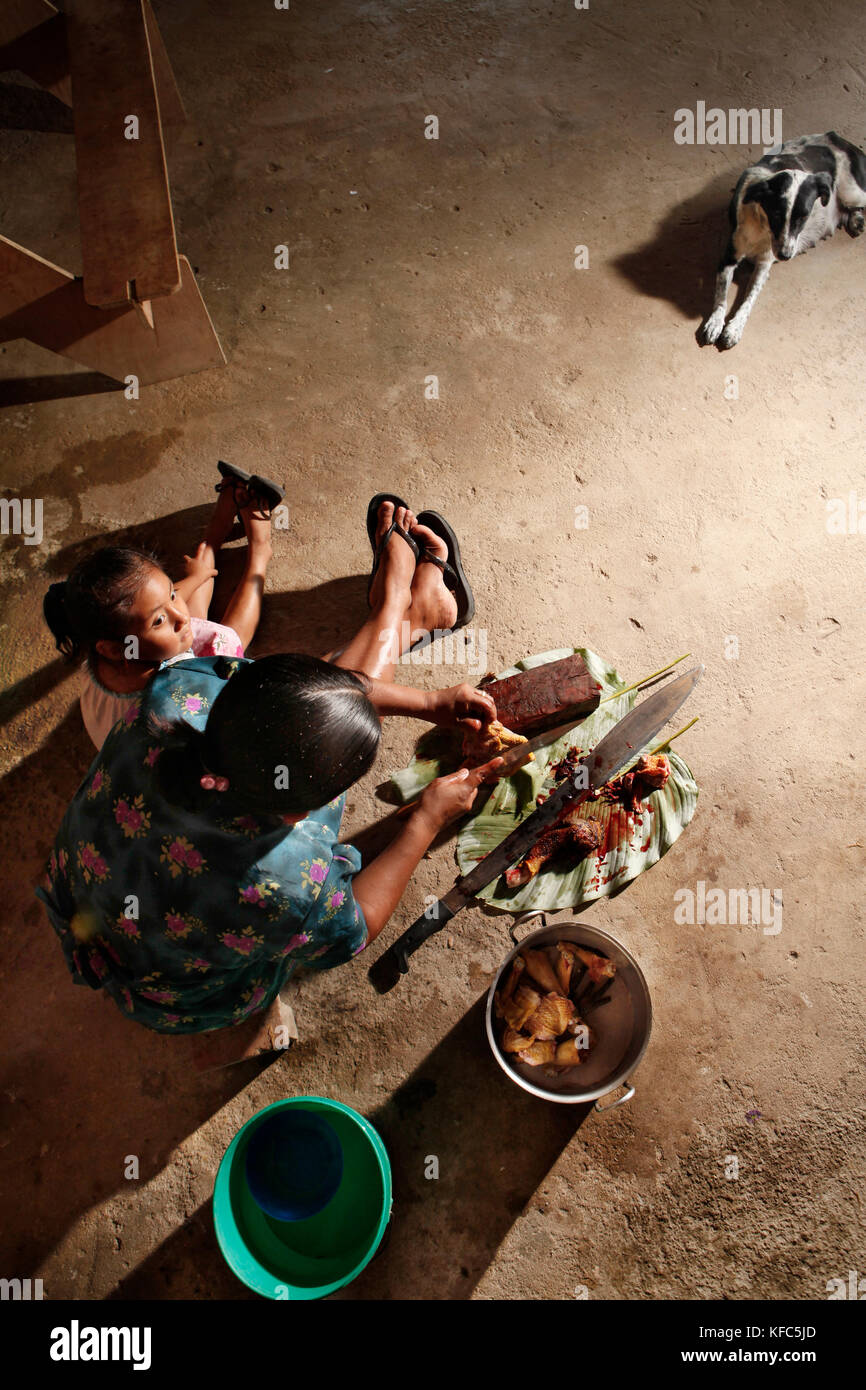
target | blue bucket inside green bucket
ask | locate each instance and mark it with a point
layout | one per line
(294, 1164)
(310, 1258)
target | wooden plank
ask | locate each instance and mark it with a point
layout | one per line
(17, 16)
(42, 302)
(128, 242)
(43, 54)
(172, 116)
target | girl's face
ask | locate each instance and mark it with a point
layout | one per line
(160, 619)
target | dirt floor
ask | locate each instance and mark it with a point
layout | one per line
(559, 389)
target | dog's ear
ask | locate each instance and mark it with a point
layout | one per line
(825, 188)
(768, 191)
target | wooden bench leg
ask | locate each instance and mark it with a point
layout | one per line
(43, 302)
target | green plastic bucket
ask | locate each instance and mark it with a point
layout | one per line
(312, 1258)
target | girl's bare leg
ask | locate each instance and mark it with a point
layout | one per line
(219, 528)
(244, 608)
(376, 647)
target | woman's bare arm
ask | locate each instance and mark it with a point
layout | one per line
(446, 707)
(379, 887)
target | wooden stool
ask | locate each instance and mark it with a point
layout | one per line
(136, 312)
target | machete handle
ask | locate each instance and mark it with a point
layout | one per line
(385, 973)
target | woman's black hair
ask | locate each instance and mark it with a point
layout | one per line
(94, 603)
(289, 732)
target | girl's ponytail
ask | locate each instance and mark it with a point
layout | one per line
(56, 616)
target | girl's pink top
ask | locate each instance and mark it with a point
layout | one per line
(101, 708)
(211, 639)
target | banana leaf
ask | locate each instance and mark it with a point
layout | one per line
(631, 844)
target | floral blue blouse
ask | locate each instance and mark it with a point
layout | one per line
(191, 918)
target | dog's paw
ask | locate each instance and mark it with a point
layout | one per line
(855, 222)
(731, 336)
(711, 327)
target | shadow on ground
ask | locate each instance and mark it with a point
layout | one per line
(679, 262)
(494, 1143)
(56, 1080)
(31, 108)
(70, 1057)
(17, 698)
(313, 621)
(27, 390)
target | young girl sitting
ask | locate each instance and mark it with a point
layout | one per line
(200, 862)
(122, 614)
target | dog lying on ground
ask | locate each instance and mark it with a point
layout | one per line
(798, 194)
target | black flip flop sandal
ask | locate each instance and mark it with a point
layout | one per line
(263, 489)
(452, 568)
(231, 476)
(372, 523)
(373, 513)
(266, 490)
(232, 479)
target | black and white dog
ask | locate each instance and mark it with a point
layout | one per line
(798, 194)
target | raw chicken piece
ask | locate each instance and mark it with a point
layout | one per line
(654, 769)
(572, 833)
(512, 1041)
(570, 1054)
(518, 965)
(648, 774)
(564, 967)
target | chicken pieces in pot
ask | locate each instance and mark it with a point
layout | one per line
(538, 1005)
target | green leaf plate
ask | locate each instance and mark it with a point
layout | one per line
(630, 844)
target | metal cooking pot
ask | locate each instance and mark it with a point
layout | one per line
(622, 1026)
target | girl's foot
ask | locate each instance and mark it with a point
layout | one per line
(223, 525)
(393, 579)
(432, 603)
